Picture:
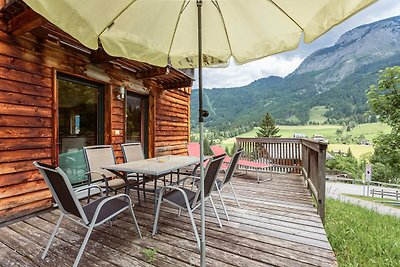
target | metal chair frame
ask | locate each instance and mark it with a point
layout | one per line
(84, 221)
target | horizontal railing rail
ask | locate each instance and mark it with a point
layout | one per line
(293, 155)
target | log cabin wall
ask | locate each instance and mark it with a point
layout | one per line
(172, 127)
(28, 114)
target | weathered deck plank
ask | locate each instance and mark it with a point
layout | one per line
(275, 225)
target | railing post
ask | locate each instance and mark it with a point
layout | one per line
(322, 181)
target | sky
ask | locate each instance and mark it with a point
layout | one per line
(285, 63)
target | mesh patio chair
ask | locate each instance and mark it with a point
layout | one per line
(134, 152)
(246, 164)
(89, 216)
(188, 199)
(103, 155)
(229, 173)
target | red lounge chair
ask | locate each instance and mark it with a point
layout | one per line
(246, 164)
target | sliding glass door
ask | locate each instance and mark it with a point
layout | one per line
(81, 123)
(137, 119)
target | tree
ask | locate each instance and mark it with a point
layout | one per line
(268, 128)
(384, 100)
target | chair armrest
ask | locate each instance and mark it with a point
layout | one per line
(187, 178)
(88, 188)
(103, 202)
(96, 172)
(175, 188)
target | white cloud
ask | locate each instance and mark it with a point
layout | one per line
(284, 64)
(238, 75)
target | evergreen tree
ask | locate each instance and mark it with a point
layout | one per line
(268, 128)
(384, 99)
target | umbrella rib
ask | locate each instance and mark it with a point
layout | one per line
(119, 14)
(223, 22)
(183, 7)
(284, 12)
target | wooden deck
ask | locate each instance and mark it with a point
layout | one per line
(275, 225)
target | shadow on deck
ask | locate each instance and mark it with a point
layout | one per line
(275, 225)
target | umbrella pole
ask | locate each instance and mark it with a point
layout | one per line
(201, 130)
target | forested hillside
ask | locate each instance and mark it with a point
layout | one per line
(335, 77)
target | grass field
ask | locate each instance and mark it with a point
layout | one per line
(361, 237)
(357, 150)
(369, 130)
(317, 114)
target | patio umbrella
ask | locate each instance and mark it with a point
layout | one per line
(162, 32)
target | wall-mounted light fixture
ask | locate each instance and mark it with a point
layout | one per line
(120, 92)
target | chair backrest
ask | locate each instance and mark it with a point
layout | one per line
(61, 190)
(193, 149)
(132, 152)
(232, 166)
(210, 175)
(97, 157)
(217, 150)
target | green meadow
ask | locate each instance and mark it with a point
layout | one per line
(361, 237)
(368, 131)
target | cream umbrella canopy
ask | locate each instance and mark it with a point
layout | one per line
(162, 32)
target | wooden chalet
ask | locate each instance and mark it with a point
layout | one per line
(57, 96)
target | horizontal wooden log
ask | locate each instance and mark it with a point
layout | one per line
(117, 111)
(171, 128)
(20, 177)
(171, 144)
(160, 132)
(117, 125)
(25, 209)
(28, 154)
(21, 189)
(16, 75)
(23, 99)
(177, 95)
(25, 66)
(20, 166)
(15, 132)
(172, 123)
(169, 113)
(24, 143)
(173, 99)
(23, 88)
(16, 201)
(117, 140)
(20, 121)
(170, 138)
(20, 110)
(167, 104)
(25, 22)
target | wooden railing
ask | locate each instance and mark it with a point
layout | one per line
(302, 156)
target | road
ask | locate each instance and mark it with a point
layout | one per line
(337, 189)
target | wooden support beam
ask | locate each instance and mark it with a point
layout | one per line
(176, 84)
(25, 22)
(151, 73)
(100, 56)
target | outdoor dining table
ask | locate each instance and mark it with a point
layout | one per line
(156, 167)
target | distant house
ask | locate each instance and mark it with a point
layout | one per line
(299, 135)
(57, 96)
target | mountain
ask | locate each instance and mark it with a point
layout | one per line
(335, 77)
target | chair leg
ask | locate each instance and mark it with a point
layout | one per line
(85, 240)
(179, 212)
(234, 194)
(144, 191)
(138, 188)
(196, 234)
(135, 221)
(222, 201)
(52, 236)
(157, 213)
(216, 213)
